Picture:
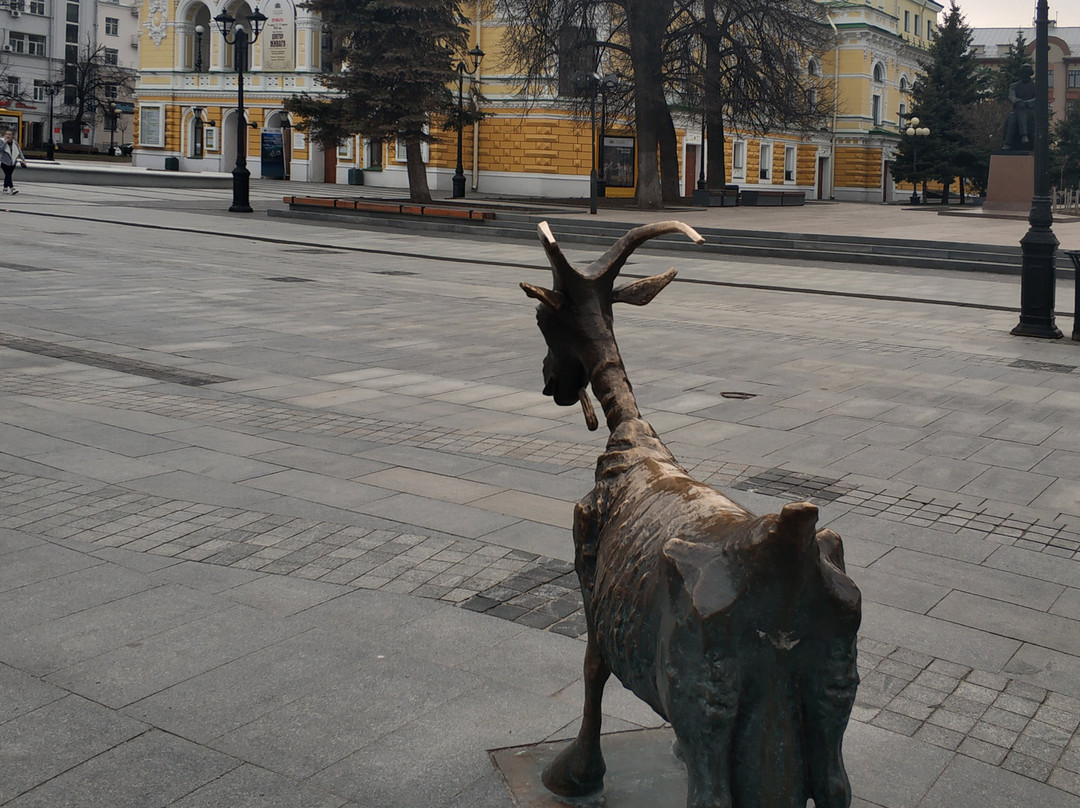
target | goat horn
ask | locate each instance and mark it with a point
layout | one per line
(558, 261)
(612, 260)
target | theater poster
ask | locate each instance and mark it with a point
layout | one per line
(277, 37)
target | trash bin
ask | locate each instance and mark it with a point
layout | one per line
(356, 176)
(172, 163)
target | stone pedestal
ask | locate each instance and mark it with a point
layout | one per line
(1012, 182)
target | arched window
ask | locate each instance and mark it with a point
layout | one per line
(813, 68)
(879, 72)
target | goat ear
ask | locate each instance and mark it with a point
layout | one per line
(553, 300)
(638, 293)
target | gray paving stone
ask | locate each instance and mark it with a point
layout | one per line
(249, 786)
(972, 578)
(40, 744)
(968, 782)
(40, 562)
(153, 769)
(1028, 625)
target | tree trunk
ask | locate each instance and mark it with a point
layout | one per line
(669, 157)
(646, 22)
(414, 162)
(716, 169)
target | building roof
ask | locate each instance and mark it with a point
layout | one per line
(990, 38)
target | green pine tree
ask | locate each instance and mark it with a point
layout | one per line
(1065, 150)
(397, 69)
(1009, 71)
(941, 96)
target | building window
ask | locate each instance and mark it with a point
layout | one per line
(907, 22)
(73, 12)
(39, 90)
(373, 151)
(399, 150)
(765, 162)
(917, 25)
(813, 68)
(902, 116)
(879, 73)
(112, 26)
(1074, 78)
(112, 90)
(31, 44)
(929, 29)
(36, 7)
(1050, 78)
(875, 109)
(789, 164)
(112, 56)
(738, 160)
(12, 86)
(72, 33)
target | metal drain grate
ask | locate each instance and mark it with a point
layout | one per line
(1051, 367)
(791, 484)
(392, 272)
(117, 363)
(289, 279)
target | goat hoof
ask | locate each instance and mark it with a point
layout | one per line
(569, 775)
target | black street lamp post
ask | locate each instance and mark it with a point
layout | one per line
(51, 89)
(1039, 243)
(914, 131)
(607, 85)
(114, 113)
(238, 36)
(199, 31)
(477, 56)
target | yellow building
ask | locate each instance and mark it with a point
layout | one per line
(187, 118)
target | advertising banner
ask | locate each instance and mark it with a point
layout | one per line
(273, 155)
(278, 37)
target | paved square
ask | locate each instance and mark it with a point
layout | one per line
(306, 544)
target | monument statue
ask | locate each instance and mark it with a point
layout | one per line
(1020, 125)
(737, 629)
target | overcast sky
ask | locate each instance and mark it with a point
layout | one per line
(1013, 14)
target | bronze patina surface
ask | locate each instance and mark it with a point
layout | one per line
(737, 629)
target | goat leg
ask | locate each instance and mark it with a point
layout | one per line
(578, 770)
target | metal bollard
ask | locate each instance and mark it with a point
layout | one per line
(1075, 256)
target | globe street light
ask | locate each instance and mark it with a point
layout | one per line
(238, 36)
(914, 131)
(199, 31)
(477, 56)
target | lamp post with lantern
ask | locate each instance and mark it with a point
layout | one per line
(51, 89)
(477, 57)
(238, 36)
(914, 131)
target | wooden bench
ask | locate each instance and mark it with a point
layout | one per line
(404, 208)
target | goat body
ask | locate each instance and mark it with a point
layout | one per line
(737, 629)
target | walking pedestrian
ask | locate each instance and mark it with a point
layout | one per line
(10, 155)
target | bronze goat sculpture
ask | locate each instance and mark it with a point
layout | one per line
(737, 629)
